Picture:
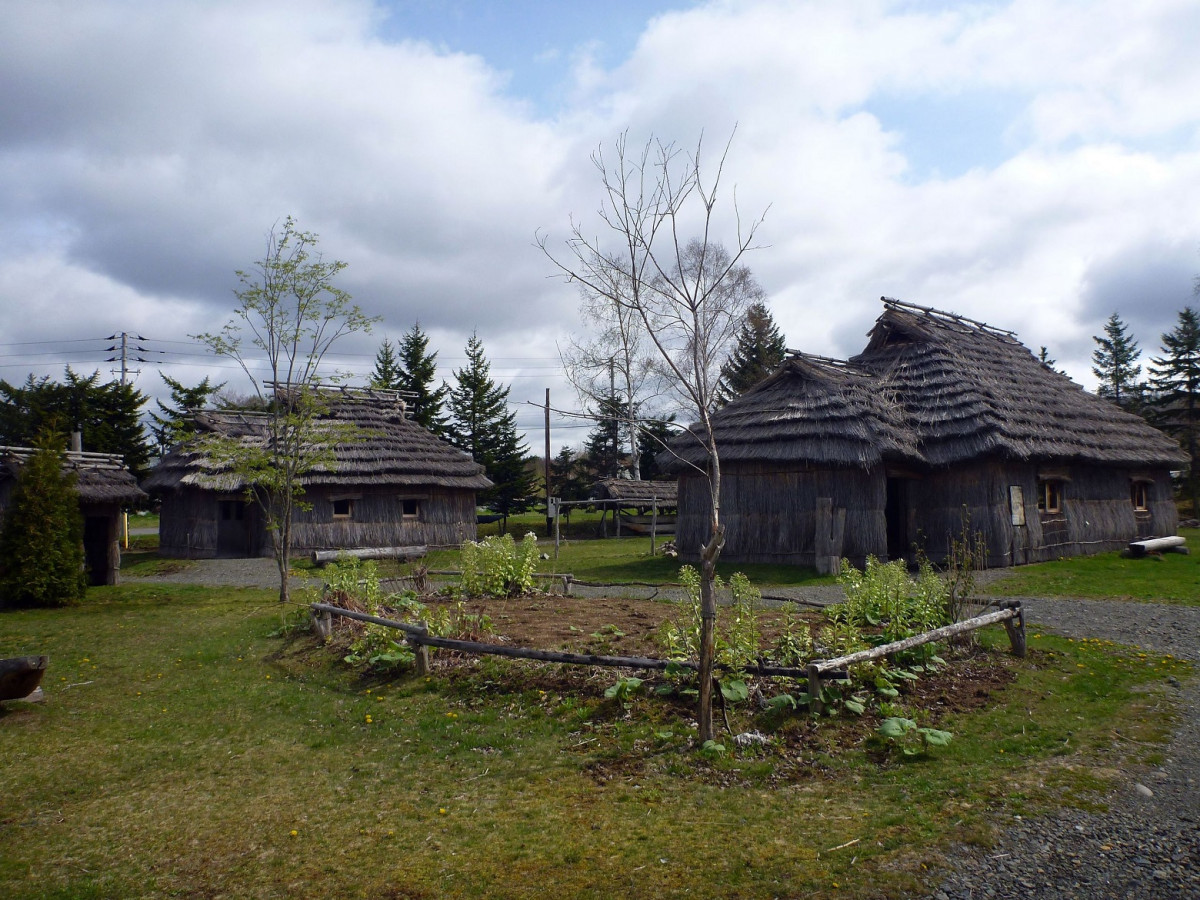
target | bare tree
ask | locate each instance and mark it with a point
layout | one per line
(616, 361)
(680, 290)
(291, 311)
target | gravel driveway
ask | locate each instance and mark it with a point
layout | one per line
(1146, 845)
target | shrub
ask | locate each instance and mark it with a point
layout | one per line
(498, 567)
(41, 543)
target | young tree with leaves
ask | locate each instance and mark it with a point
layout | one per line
(292, 311)
(1114, 362)
(759, 349)
(688, 298)
(41, 542)
(484, 426)
(1175, 386)
(175, 424)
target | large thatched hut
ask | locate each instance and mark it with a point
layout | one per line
(105, 486)
(390, 483)
(940, 423)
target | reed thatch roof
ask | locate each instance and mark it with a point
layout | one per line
(383, 448)
(809, 410)
(636, 492)
(969, 391)
(99, 477)
(931, 388)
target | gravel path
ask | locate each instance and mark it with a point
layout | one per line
(1146, 845)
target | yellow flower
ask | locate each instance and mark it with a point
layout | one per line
(442, 811)
(293, 832)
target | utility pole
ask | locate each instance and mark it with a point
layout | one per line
(125, 350)
(549, 523)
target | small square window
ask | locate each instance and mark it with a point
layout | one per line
(411, 508)
(343, 508)
(1049, 496)
(1139, 496)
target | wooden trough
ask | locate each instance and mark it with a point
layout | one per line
(20, 676)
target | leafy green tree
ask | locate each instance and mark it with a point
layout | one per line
(292, 312)
(1175, 387)
(387, 375)
(175, 424)
(108, 415)
(484, 427)
(758, 351)
(1114, 362)
(41, 542)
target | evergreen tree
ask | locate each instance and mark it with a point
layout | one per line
(652, 440)
(1175, 384)
(176, 425)
(388, 375)
(484, 427)
(568, 477)
(759, 350)
(418, 369)
(603, 448)
(1114, 362)
(108, 415)
(41, 543)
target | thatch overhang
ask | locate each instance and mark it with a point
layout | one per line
(970, 391)
(810, 411)
(100, 478)
(636, 493)
(384, 449)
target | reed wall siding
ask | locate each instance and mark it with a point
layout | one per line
(770, 514)
(189, 521)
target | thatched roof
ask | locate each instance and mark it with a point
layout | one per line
(931, 388)
(970, 391)
(384, 448)
(100, 477)
(810, 410)
(636, 492)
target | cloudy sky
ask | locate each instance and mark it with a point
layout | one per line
(1034, 164)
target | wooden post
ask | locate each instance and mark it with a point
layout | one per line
(322, 624)
(557, 513)
(421, 650)
(814, 689)
(653, 523)
(1015, 627)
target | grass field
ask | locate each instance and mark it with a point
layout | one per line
(185, 749)
(1169, 578)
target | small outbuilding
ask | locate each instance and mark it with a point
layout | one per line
(942, 424)
(105, 486)
(391, 483)
(638, 507)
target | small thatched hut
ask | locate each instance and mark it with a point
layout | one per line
(637, 506)
(391, 484)
(105, 486)
(940, 422)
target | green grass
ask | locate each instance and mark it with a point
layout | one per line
(1170, 578)
(185, 751)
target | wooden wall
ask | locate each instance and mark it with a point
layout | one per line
(771, 514)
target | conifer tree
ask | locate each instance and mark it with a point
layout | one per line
(603, 447)
(41, 542)
(759, 350)
(175, 425)
(387, 374)
(484, 427)
(418, 369)
(1114, 362)
(652, 440)
(1175, 385)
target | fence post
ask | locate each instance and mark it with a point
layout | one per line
(421, 651)
(322, 624)
(1015, 626)
(814, 689)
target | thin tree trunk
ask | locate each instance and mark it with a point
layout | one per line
(708, 622)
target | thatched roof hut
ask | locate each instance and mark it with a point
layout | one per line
(105, 485)
(390, 483)
(632, 492)
(942, 424)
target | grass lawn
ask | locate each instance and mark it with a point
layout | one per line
(1169, 578)
(186, 751)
